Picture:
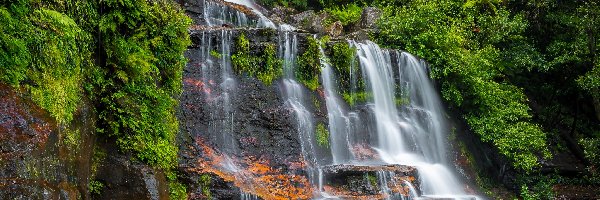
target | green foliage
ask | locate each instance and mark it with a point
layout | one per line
(466, 51)
(537, 187)
(591, 149)
(95, 187)
(205, 182)
(309, 64)
(177, 191)
(137, 88)
(267, 67)
(46, 50)
(216, 54)
(126, 55)
(352, 98)
(322, 135)
(347, 14)
(372, 178)
(297, 4)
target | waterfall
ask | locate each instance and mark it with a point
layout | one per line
(216, 14)
(339, 122)
(402, 120)
(263, 21)
(415, 136)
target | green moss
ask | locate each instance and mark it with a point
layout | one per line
(177, 191)
(372, 178)
(45, 50)
(266, 66)
(356, 98)
(72, 138)
(216, 54)
(125, 55)
(322, 135)
(95, 187)
(309, 64)
(402, 101)
(205, 182)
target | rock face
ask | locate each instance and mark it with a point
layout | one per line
(234, 118)
(351, 181)
(369, 17)
(40, 159)
(127, 179)
(31, 163)
(309, 21)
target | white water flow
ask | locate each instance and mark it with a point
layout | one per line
(415, 136)
(339, 122)
(216, 14)
(263, 21)
(219, 86)
(295, 98)
(228, 86)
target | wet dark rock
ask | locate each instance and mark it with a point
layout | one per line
(352, 180)
(125, 178)
(34, 162)
(258, 124)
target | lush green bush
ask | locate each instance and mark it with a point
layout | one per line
(47, 52)
(266, 66)
(463, 43)
(347, 14)
(309, 64)
(125, 55)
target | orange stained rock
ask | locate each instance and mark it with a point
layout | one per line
(256, 176)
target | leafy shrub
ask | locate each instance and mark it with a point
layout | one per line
(470, 67)
(309, 65)
(267, 67)
(347, 14)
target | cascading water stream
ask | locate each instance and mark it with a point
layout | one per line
(411, 133)
(219, 85)
(295, 98)
(263, 21)
(339, 122)
(420, 125)
(216, 14)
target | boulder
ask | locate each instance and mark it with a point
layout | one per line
(310, 21)
(335, 29)
(369, 17)
(125, 178)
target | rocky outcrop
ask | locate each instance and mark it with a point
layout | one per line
(36, 161)
(124, 178)
(40, 159)
(310, 21)
(352, 181)
(368, 18)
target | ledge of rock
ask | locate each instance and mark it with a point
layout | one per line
(352, 181)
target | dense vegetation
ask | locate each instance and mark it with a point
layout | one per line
(265, 66)
(126, 57)
(524, 75)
